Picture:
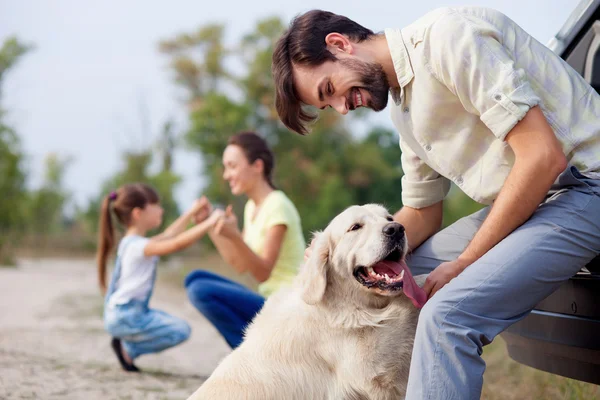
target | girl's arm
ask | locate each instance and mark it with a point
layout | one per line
(200, 206)
(230, 243)
(183, 240)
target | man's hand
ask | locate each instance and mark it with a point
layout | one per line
(443, 274)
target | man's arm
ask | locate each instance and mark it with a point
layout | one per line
(421, 223)
(539, 160)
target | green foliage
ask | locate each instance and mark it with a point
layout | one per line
(12, 50)
(45, 206)
(12, 186)
(12, 171)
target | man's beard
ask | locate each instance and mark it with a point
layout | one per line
(373, 81)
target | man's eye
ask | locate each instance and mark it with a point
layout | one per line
(355, 227)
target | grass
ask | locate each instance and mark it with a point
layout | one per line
(505, 379)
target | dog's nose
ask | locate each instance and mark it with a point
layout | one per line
(393, 229)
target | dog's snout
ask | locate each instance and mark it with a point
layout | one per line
(393, 229)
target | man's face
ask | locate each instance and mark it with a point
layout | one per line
(344, 85)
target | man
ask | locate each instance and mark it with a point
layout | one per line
(479, 102)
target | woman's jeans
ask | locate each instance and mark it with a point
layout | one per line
(228, 305)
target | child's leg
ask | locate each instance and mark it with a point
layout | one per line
(229, 306)
(157, 331)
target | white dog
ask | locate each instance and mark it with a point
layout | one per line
(344, 331)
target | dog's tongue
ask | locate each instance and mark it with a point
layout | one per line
(410, 287)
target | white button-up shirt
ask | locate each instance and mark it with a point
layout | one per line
(467, 76)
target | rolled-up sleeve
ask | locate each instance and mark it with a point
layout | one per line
(421, 185)
(466, 54)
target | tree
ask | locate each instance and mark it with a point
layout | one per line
(12, 170)
(46, 205)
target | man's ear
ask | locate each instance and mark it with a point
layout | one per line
(338, 43)
(314, 280)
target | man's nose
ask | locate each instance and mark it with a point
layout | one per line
(340, 105)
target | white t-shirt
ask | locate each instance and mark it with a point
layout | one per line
(135, 280)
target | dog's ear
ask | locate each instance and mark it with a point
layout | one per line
(314, 271)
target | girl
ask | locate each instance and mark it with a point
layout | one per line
(271, 246)
(137, 329)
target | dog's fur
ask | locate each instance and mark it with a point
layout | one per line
(329, 336)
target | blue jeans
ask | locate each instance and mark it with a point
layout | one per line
(143, 330)
(500, 288)
(228, 305)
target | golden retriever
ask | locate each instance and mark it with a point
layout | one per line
(345, 329)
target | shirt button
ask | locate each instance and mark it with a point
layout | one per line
(498, 97)
(459, 180)
(428, 148)
(406, 109)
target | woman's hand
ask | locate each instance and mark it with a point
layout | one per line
(227, 225)
(215, 217)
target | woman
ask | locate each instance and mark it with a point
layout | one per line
(271, 246)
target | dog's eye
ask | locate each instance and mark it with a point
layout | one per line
(389, 218)
(355, 227)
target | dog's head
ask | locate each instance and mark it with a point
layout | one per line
(363, 249)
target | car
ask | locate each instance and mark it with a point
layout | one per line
(562, 334)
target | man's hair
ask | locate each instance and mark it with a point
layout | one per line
(304, 44)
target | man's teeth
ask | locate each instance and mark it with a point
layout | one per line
(358, 99)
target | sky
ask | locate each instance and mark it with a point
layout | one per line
(96, 85)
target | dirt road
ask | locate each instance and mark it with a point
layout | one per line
(53, 346)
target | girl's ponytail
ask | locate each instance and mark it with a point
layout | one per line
(106, 239)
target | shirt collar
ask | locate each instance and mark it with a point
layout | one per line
(401, 61)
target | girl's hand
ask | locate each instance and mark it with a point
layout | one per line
(201, 209)
(227, 225)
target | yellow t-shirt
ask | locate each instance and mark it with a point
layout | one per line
(277, 209)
